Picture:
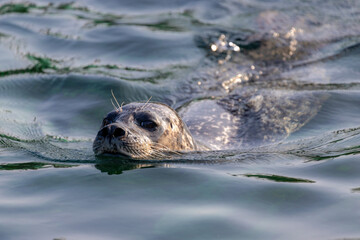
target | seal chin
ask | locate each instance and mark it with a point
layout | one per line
(100, 150)
(120, 154)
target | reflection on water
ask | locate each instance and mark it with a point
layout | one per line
(278, 178)
(279, 79)
(31, 166)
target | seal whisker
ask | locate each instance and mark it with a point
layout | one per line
(163, 147)
(160, 153)
(112, 93)
(157, 154)
(143, 155)
(115, 108)
(136, 153)
(146, 103)
(131, 152)
(121, 106)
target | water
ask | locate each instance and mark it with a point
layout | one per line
(59, 62)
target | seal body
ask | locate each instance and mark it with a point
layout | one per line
(143, 130)
(250, 117)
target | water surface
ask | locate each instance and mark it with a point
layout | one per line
(59, 61)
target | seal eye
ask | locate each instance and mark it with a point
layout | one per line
(105, 122)
(148, 124)
(146, 120)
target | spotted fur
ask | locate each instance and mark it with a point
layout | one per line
(122, 132)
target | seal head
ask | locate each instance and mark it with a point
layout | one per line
(143, 130)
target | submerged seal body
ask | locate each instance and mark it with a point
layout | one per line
(248, 119)
(142, 130)
(265, 99)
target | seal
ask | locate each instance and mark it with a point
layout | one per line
(143, 130)
(235, 106)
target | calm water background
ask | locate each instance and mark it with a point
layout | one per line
(59, 62)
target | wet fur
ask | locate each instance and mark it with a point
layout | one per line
(171, 135)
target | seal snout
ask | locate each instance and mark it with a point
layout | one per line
(113, 130)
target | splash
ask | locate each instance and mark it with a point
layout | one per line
(222, 45)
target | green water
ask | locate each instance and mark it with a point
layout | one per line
(59, 61)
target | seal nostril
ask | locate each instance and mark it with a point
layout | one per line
(119, 132)
(104, 132)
